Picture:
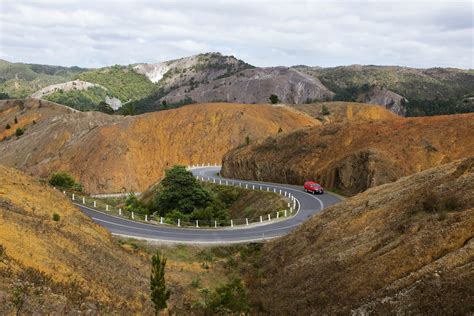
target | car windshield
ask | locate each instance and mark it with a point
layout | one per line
(315, 185)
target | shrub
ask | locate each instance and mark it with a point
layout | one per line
(196, 283)
(440, 203)
(19, 132)
(325, 111)
(132, 204)
(8, 126)
(230, 297)
(64, 180)
(274, 99)
(16, 120)
(56, 217)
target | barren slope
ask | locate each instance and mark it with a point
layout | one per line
(384, 251)
(344, 112)
(255, 86)
(354, 157)
(112, 153)
(59, 265)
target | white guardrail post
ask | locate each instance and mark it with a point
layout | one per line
(95, 204)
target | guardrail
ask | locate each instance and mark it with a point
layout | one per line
(100, 206)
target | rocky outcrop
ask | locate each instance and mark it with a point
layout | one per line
(356, 156)
(255, 86)
(389, 99)
(111, 154)
(401, 248)
(66, 86)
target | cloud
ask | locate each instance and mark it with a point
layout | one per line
(263, 33)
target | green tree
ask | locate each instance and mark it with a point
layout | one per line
(325, 110)
(133, 204)
(19, 132)
(179, 190)
(159, 293)
(164, 104)
(8, 126)
(274, 99)
(64, 180)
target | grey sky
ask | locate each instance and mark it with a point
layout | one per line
(263, 33)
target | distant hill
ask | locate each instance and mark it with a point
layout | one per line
(19, 80)
(213, 77)
(354, 156)
(403, 248)
(430, 91)
(110, 153)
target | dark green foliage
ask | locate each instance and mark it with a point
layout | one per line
(230, 297)
(325, 110)
(274, 99)
(64, 180)
(19, 132)
(56, 217)
(16, 120)
(7, 126)
(4, 96)
(423, 107)
(180, 191)
(121, 81)
(105, 108)
(127, 109)
(132, 204)
(82, 100)
(159, 293)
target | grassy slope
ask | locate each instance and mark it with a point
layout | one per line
(384, 251)
(82, 261)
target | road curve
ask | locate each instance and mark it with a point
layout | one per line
(309, 205)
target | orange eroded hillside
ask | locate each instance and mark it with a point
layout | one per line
(342, 112)
(402, 248)
(115, 154)
(355, 156)
(75, 258)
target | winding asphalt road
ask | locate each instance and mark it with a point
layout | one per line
(309, 205)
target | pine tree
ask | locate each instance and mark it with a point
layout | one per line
(159, 293)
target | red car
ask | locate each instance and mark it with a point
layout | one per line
(313, 187)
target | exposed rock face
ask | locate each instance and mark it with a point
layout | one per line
(109, 154)
(354, 157)
(196, 69)
(255, 86)
(114, 103)
(399, 248)
(379, 95)
(66, 86)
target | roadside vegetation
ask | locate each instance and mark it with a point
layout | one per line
(65, 181)
(202, 280)
(180, 196)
